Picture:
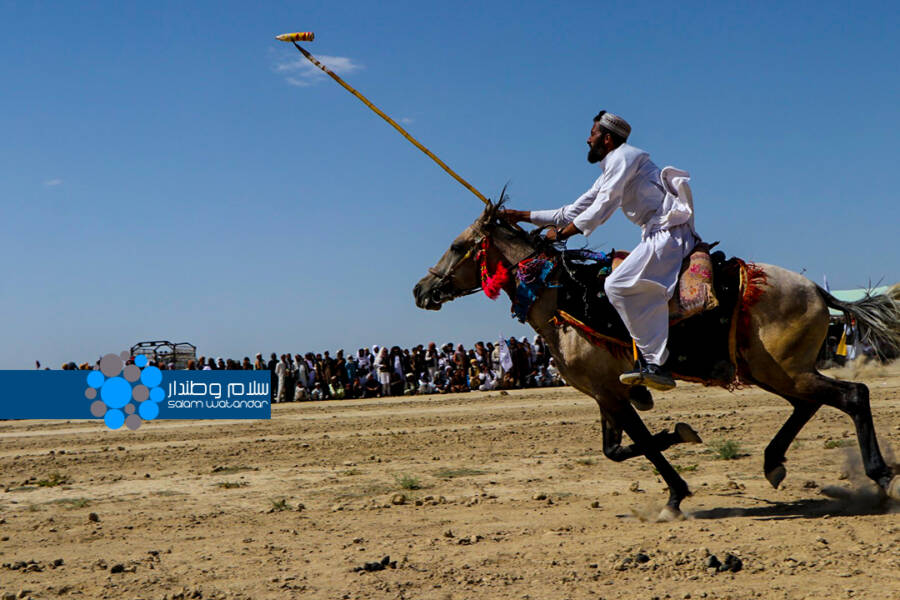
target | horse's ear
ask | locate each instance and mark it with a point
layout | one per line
(489, 214)
(492, 208)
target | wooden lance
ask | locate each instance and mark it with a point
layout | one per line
(308, 36)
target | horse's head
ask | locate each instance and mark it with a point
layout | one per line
(458, 272)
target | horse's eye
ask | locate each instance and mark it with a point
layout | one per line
(458, 249)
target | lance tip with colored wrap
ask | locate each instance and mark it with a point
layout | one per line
(308, 36)
(300, 36)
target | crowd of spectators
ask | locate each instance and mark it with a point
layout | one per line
(380, 371)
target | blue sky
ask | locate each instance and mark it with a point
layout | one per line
(170, 172)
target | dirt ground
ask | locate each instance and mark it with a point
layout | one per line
(482, 495)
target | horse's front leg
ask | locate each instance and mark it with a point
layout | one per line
(612, 440)
(645, 443)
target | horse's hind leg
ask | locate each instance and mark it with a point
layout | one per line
(853, 399)
(615, 451)
(780, 335)
(773, 465)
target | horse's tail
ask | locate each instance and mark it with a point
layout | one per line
(877, 320)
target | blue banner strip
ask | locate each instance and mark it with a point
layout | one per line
(184, 395)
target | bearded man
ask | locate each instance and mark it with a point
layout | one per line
(660, 203)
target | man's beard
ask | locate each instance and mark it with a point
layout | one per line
(596, 153)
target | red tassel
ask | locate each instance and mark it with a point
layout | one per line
(756, 278)
(493, 284)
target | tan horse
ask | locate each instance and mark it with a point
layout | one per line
(777, 352)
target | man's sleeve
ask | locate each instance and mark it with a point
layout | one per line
(566, 214)
(607, 199)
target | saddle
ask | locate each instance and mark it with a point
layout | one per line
(695, 292)
(702, 311)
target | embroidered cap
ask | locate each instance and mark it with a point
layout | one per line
(615, 124)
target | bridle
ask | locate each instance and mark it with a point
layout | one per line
(490, 283)
(444, 278)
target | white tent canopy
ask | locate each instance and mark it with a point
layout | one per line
(854, 295)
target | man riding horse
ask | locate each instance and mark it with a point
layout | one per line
(660, 203)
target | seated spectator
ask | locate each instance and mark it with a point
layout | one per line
(317, 393)
(441, 381)
(459, 382)
(475, 381)
(426, 386)
(507, 381)
(353, 389)
(336, 388)
(410, 385)
(300, 392)
(531, 378)
(371, 387)
(473, 368)
(488, 382)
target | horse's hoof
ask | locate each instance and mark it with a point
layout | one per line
(893, 488)
(776, 476)
(669, 515)
(687, 434)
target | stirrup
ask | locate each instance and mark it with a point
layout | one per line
(652, 376)
(657, 378)
(636, 375)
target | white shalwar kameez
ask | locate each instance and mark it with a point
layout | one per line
(660, 203)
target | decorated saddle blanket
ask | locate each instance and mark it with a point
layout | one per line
(695, 292)
(703, 312)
